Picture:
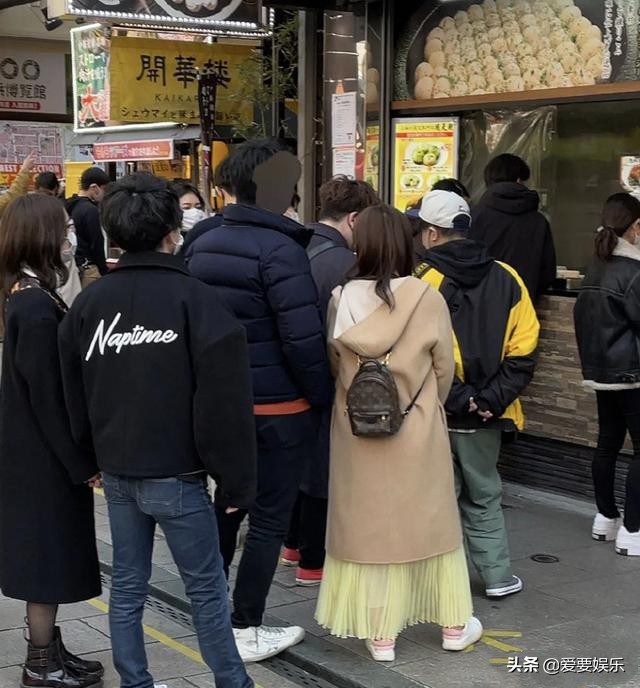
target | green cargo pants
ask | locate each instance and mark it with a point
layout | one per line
(479, 492)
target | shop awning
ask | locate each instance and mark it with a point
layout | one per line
(92, 136)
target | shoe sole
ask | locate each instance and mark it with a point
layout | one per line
(386, 657)
(603, 537)
(504, 592)
(98, 684)
(289, 563)
(268, 655)
(626, 552)
(307, 584)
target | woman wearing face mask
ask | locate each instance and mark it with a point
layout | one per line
(607, 321)
(46, 502)
(191, 203)
(73, 286)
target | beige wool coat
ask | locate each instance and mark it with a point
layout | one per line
(392, 499)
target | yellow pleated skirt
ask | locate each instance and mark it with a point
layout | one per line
(378, 601)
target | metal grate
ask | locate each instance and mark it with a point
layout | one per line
(277, 665)
(296, 675)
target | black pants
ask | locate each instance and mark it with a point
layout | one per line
(307, 531)
(282, 455)
(618, 413)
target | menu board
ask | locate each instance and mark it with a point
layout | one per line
(503, 46)
(425, 150)
(372, 160)
(630, 173)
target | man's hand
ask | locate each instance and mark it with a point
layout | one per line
(231, 510)
(96, 481)
(473, 407)
(29, 162)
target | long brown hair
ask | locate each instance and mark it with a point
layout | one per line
(383, 244)
(32, 231)
(620, 211)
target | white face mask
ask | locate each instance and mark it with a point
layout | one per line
(191, 217)
(293, 214)
(178, 245)
(69, 251)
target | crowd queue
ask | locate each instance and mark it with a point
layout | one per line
(347, 385)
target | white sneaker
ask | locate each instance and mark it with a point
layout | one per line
(261, 642)
(605, 529)
(510, 587)
(456, 641)
(628, 544)
(382, 650)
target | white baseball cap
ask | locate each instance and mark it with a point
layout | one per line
(447, 210)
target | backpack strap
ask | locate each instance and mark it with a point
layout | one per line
(415, 398)
(322, 248)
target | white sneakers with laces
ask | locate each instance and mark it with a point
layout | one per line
(605, 529)
(258, 643)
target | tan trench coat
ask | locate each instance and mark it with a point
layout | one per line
(392, 500)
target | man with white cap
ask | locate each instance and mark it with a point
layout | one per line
(496, 335)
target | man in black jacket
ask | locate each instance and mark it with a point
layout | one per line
(257, 260)
(331, 256)
(157, 383)
(83, 208)
(496, 335)
(507, 220)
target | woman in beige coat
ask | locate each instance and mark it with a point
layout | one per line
(394, 543)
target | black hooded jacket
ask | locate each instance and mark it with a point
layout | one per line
(508, 222)
(91, 240)
(156, 377)
(496, 332)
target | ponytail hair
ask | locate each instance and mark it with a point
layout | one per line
(620, 211)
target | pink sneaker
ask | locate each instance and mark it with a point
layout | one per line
(382, 650)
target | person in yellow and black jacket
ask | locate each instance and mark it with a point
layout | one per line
(496, 335)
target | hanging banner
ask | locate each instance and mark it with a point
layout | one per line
(18, 140)
(425, 150)
(478, 48)
(130, 151)
(90, 58)
(32, 82)
(372, 160)
(157, 81)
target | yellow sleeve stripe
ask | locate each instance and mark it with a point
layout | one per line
(523, 328)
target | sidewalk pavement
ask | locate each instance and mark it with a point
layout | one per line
(580, 606)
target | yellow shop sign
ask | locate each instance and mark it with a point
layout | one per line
(157, 81)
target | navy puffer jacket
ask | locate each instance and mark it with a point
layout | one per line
(257, 260)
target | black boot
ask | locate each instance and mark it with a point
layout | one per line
(77, 664)
(45, 668)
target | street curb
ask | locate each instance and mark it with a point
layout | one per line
(316, 656)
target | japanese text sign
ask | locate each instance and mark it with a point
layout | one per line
(32, 82)
(90, 55)
(157, 81)
(425, 150)
(160, 149)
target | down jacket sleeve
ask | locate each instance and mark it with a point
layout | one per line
(293, 298)
(518, 365)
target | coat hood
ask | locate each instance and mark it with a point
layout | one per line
(511, 198)
(237, 214)
(75, 200)
(364, 322)
(465, 262)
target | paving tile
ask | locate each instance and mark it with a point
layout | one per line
(81, 638)
(10, 676)
(406, 650)
(298, 614)
(159, 622)
(616, 593)
(12, 647)
(279, 596)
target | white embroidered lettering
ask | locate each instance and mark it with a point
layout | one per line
(118, 340)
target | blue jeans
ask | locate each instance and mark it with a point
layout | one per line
(184, 512)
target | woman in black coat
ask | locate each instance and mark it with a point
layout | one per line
(47, 535)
